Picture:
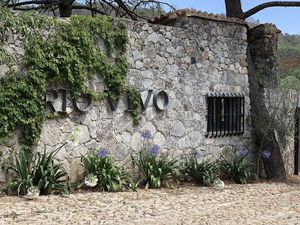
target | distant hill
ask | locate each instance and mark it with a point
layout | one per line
(289, 60)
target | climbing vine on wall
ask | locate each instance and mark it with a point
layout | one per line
(69, 55)
(134, 97)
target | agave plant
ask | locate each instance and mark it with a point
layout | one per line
(154, 171)
(233, 165)
(48, 175)
(23, 170)
(38, 169)
(110, 177)
(202, 172)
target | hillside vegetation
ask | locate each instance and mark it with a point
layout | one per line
(289, 60)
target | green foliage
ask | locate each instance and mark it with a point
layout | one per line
(22, 105)
(202, 172)
(134, 98)
(234, 166)
(68, 56)
(110, 176)
(295, 72)
(289, 59)
(6, 22)
(154, 172)
(5, 57)
(38, 169)
(291, 82)
(289, 46)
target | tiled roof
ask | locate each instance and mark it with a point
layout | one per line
(172, 16)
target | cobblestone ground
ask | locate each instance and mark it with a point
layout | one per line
(263, 203)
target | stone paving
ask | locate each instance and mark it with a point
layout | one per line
(262, 203)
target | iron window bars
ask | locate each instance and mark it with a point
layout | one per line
(225, 115)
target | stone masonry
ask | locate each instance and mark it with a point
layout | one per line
(281, 103)
(191, 58)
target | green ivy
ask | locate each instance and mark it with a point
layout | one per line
(22, 105)
(5, 57)
(69, 55)
(134, 98)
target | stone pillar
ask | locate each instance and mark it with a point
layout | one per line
(262, 41)
(273, 109)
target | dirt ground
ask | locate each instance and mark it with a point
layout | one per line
(260, 203)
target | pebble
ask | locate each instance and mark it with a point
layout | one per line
(261, 203)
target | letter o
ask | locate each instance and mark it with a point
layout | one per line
(162, 95)
(88, 106)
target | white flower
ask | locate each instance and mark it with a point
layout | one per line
(219, 184)
(32, 192)
(91, 180)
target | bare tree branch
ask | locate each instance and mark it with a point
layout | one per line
(270, 4)
(28, 8)
(88, 8)
(158, 2)
(133, 9)
(41, 2)
(131, 14)
(91, 5)
(112, 7)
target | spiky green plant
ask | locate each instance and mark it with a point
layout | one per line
(110, 176)
(154, 171)
(38, 169)
(202, 172)
(233, 165)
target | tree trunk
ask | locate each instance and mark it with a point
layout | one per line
(65, 9)
(274, 165)
(234, 9)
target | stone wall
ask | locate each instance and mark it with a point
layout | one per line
(188, 60)
(282, 108)
(280, 104)
(263, 41)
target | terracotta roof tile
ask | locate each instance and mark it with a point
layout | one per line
(172, 16)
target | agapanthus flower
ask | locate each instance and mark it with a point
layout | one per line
(196, 154)
(266, 154)
(155, 150)
(243, 151)
(91, 180)
(32, 192)
(218, 184)
(146, 134)
(103, 153)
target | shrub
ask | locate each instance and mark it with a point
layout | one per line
(233, 165)
(202, 172)
(39, 170)
(154, 171)
(102, 171)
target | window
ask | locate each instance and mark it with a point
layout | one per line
(225, 115)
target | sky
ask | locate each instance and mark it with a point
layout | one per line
(286, 19)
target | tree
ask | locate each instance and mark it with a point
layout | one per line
(264, 135)
(234, 7)
(129, 8)
(132, 9)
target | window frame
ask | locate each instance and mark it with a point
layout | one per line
(225, 114)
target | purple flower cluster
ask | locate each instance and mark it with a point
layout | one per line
(155, 150)
(266, 154)
(243, 151)
(196, 154)
(146, 134)
(103, 153)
